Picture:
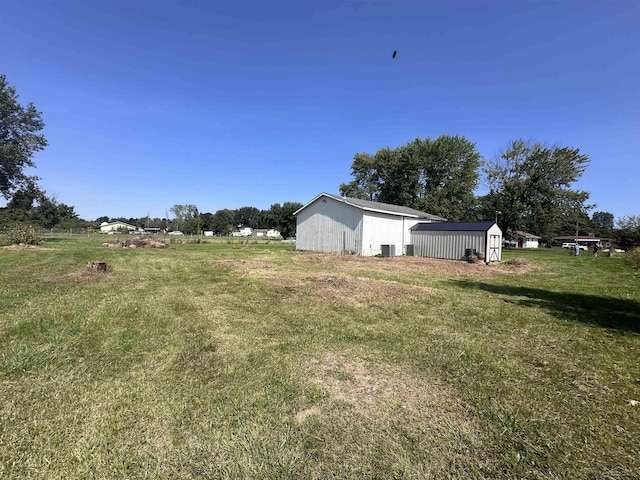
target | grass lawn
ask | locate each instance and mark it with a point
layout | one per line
(249, 360)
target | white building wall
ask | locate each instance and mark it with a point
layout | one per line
(329, 226)
(493, 250)
(112, 227)
(381, 229)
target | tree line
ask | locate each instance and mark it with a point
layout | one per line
(529, 186)
(188, 219)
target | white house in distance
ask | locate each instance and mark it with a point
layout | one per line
(333, 224)
(106, 227)
(526, 240)
(242, 232)
(266, 232)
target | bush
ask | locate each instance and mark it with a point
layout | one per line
(634, 257)
(23, 234)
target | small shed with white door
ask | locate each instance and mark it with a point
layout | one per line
(455, 240)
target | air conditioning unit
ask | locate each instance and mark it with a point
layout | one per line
(409, 250)
(388, 251)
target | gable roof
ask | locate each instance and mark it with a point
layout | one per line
(453, 227)
(376, 207)
(527, 235)
(117, 222)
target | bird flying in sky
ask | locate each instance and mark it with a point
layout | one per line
(394, 53)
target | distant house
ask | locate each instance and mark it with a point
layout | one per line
(106, 227)
(331, 223)
(242, 232)
(526, 240)
(585, 240)
(266, 233)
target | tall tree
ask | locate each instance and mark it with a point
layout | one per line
(47, 213)
(19, 140)
(222, 222)
(281, 218)
(183, 216)
(530, 186)
(288, 221)
(604, 222)
(247, 217)
(627, 232)
(437, 176)
(23, 199)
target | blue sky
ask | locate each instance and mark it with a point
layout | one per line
(148, 104)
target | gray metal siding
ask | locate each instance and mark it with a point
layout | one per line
(448, 245)
(329, 226)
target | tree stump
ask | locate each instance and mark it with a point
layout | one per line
(97, 267)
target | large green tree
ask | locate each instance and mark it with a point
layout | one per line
(604, 222)
(247, 217)
(222, 222)
(281, 218)
(19, 140)
(437, 176)
(185, 217)
(627, 232)
(530, 185)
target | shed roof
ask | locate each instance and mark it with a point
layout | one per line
(453, 227)
(377, 207)
(526, 234)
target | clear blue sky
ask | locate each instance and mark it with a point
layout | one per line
(148, 104)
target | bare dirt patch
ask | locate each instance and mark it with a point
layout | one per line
(79, 277)
(302, 415)
(378, 391)
(360, 281)
(22, 247)
(518, 265)
(137, 243)
(360, 292)
(417, 265)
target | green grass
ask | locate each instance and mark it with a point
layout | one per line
(250, 360)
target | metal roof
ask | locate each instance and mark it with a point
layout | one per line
(378, 207)
(453, 227)
(526, 234)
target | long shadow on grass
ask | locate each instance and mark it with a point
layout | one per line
(606, 312)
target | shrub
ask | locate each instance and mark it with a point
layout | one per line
(634, 257)
(23, 234)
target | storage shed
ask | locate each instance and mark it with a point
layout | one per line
(334, 224)
(454, 240)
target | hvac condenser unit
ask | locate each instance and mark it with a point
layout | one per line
(388, 251)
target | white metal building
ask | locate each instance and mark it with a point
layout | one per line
(106, 227)
(332, 224)
(453, 240)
